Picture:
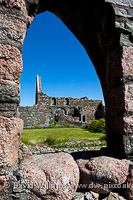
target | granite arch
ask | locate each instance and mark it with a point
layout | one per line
(105, 30)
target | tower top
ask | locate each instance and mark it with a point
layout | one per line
(38, 84)
(38, 88)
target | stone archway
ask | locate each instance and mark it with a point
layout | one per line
(106, 34)
(105, 29)
(74, 112)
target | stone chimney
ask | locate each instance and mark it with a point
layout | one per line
(38, 87)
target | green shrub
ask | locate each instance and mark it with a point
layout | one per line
(103, 138)
(25, 141)
(98, 125)
(66, 125)
(36, 126)
(51, 140)
(63, 140)
(53, 125)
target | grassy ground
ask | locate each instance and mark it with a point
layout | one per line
(36, 136)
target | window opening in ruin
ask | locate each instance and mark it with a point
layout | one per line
(66, 101)
(62, 110)
(100, 111)
(83, 118)
(53, 101)
(74, 112)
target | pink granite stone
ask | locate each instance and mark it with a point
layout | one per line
(52, 176)
(10, 63)
(127, 61)
(102, 174)
(2, 182)
(10, 136)
(129, 186)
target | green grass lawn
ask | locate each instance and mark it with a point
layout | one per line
(37, 136)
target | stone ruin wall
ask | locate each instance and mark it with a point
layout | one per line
(43, 113)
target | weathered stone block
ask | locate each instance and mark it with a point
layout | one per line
(127, 61)
(100, 174)
(10, 135)
(11, 63)
(8, 87)
(129, 188)
(52, 176)
(8, 110)
(129, 97)
(2, 182)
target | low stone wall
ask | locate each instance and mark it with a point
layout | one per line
(100, 172)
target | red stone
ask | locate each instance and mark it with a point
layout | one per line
(10, 136)
(52, 176)
(10, 63)
(127, 61)
(2, 182)
(103, 174)
(129, 186)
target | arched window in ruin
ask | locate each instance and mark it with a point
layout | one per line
(60, 109)
(53, 101)
(67, 101)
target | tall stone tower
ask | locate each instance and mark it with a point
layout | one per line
(38, 88)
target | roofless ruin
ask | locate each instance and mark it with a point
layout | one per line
(59, 110)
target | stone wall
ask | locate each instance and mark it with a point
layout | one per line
(49, 110)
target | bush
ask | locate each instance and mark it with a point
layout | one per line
(63, 140)
(52, 141)
(66, 125)
(36, 126)
(103, 138)
(53, 125)
(98, 125)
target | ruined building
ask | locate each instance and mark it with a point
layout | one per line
(47, 110)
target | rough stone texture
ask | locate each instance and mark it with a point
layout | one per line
(91, 195)
(105, 30)
(12, 185)
(11, 63)
(9, 98)
(57, 174)
(129, 189)
(108, 41)
(2, 182)
(114, 196)
(78, 196)
(127, 61)
(10, 135)
(102, 174)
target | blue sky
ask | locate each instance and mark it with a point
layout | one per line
(53, 52)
